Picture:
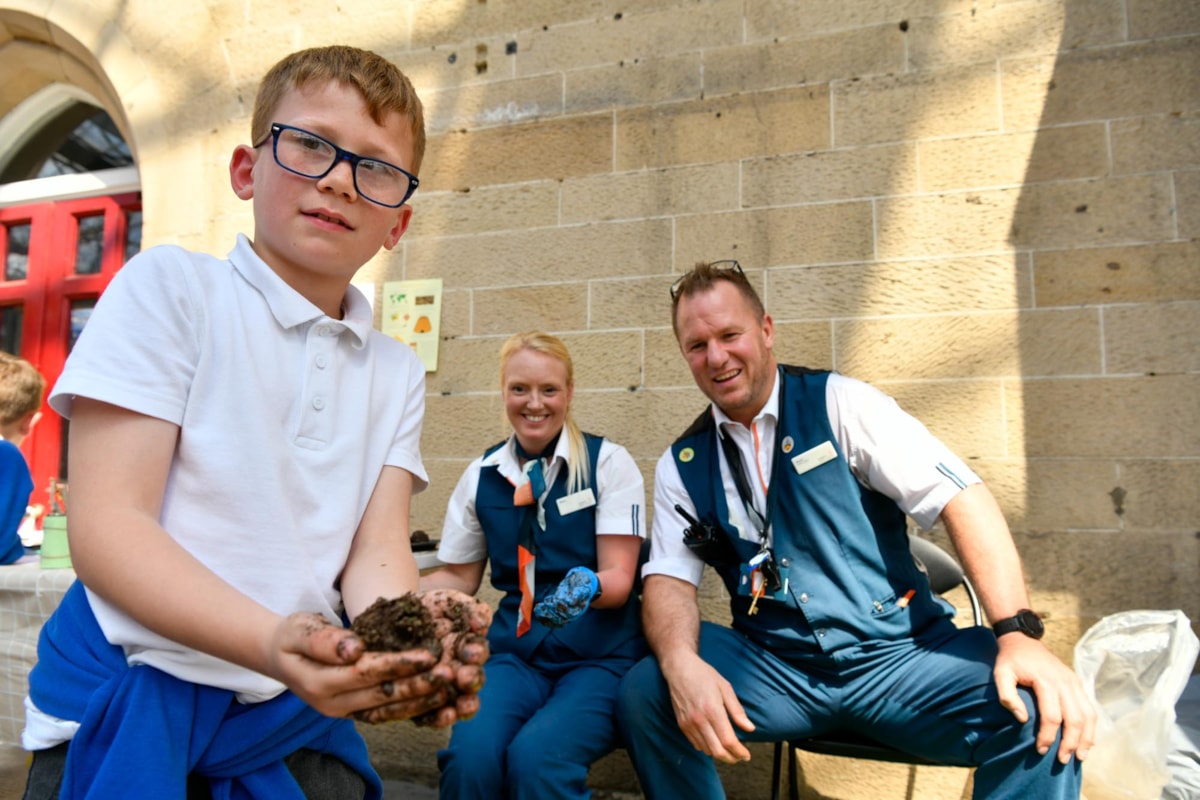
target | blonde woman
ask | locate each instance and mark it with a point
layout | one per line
(559, 515)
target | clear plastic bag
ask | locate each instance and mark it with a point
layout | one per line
(1134, 665)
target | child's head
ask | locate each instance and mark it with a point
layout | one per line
(382, 85)
(338, 137)
(22, 389)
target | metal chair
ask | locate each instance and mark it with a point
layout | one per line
(945, 574)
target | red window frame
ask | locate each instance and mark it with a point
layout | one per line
(50, 286)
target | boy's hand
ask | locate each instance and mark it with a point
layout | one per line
(462, 623)
(328, 667)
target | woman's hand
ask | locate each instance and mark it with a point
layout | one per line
(570, 600)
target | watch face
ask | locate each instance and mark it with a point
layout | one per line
(1031, 623)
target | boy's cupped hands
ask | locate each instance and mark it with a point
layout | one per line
(330, 669)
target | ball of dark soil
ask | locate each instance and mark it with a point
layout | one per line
(399, 623)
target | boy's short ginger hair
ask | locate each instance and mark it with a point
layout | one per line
(380, 82)
(22, 388)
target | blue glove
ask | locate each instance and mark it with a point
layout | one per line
(569, 600)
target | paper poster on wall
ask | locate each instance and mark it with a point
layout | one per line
(412, 313)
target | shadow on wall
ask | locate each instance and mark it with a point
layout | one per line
(1107, 405)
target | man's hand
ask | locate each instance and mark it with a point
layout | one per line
(1061, 698)
(569, 600)
(705, 705)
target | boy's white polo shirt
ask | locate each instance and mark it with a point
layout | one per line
(286, 418)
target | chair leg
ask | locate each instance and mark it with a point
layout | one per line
(793, 778)
(775, 770)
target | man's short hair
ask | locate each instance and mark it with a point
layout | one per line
(22, 388)
(704, 276)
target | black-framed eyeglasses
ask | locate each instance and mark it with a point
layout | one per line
(306, 154)
(717, 268)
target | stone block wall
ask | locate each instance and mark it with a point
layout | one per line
(988, 208)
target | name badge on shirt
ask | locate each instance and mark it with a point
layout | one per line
(576, 502)
(815, 457)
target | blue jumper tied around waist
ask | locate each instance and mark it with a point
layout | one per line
(141, 727)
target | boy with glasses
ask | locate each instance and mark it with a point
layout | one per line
(244, 448)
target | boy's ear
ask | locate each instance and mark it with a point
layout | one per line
(241, 171)
(393, 237)
(28, 421)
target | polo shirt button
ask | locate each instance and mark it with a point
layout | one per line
(804, 597)
(322, 330)
(821, 633)
(318, 403)
(321, 362)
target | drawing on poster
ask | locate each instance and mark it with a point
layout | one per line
(411, 313)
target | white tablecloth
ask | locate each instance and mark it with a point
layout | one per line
(427, 560)
(28, 595)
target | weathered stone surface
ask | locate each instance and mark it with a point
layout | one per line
(989, 210)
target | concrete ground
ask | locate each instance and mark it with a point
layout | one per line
(397, 790)
(12, 773)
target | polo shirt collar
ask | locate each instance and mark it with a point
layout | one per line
(292, 309)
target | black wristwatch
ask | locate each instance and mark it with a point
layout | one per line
(1025, 621)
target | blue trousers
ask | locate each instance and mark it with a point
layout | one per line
(933, 696)
(540, 727)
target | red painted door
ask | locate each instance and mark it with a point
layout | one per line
(58, 258)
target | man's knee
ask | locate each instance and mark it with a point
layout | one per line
(1010, 736)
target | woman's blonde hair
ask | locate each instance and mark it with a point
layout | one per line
(578, 464)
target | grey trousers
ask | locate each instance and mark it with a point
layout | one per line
(321, 776)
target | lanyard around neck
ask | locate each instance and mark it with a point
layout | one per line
(734, 459)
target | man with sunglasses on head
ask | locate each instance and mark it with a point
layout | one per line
(795, 485)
